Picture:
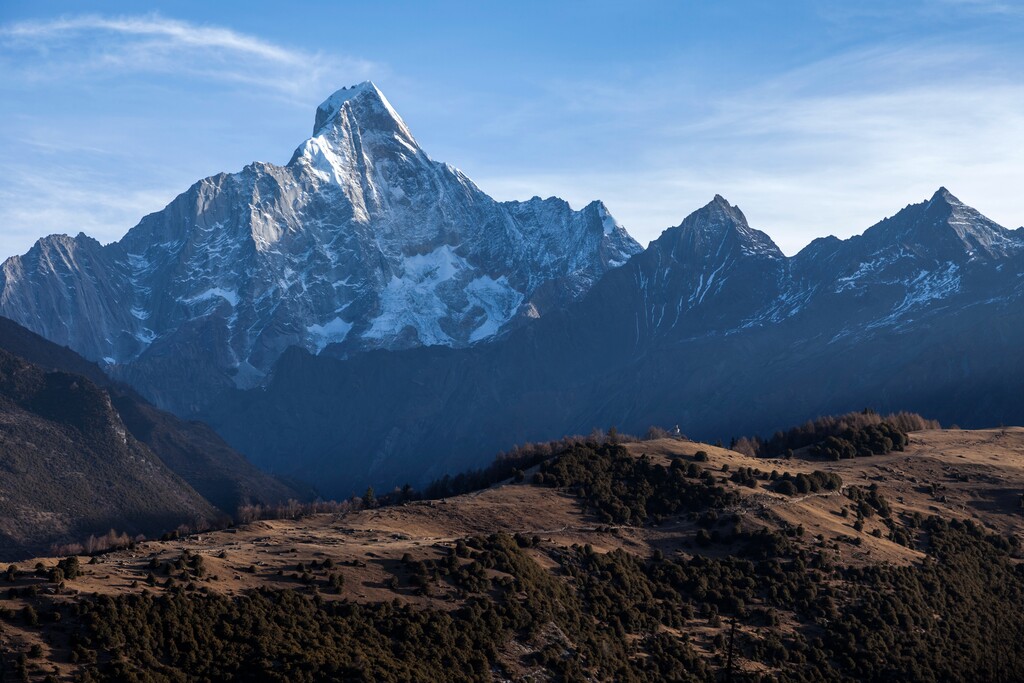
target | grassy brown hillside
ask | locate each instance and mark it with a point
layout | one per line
(606, 562)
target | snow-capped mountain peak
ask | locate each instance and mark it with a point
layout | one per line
(365, 106)
(361, 241)
(331, 107)
(363, 146)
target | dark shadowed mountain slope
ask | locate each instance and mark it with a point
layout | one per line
(711, 327)
(190, 449)
(70, 468)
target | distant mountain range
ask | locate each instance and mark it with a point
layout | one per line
(365, 315)
(711, 328)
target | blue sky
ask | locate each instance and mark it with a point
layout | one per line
(814, 117)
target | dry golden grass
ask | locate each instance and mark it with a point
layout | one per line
(978, 475)
(975, 474)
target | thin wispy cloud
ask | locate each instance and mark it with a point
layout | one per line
(34, 204)
(98, 45)
(118, 102)
(828, 147)
(826, 139)
(178, 31)
(986, 6)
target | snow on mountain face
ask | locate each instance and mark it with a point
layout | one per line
(929, 256)
(943, 228)
(708, 273)
(361, 241)
(715, 275)
(926, 254)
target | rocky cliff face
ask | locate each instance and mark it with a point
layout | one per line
(360, 242)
